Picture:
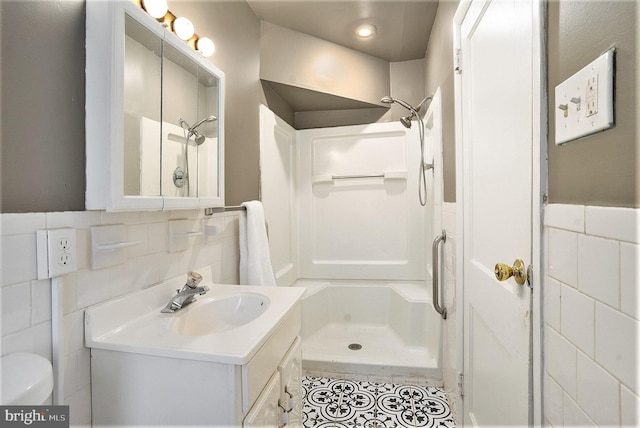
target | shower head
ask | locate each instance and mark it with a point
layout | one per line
(390, 100)
(406, 121)
(199, 138)
(201, 121)
(192, 130)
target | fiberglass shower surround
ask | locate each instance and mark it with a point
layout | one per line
(406, 122)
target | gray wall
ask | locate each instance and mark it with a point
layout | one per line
(43, 156)
(601, 169)
(439, 72)
(43, 60)
(292, 58)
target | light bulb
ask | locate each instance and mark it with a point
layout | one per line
(155, 8)
(205, 46)
(365, 31)
(183, 28)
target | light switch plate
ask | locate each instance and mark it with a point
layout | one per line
(584, 102)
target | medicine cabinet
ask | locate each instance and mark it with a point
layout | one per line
(154, 115)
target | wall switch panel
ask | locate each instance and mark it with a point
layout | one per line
(56, 252)
(584, 102)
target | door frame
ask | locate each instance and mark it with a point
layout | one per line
(539, 190)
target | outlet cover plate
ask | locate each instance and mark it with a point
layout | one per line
(584, 102)
(56, 251)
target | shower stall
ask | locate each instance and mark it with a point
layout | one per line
(347, 223)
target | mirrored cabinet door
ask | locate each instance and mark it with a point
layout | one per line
(210, 151)
(142, 98)
(154, 115)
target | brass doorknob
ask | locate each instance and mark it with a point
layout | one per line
(518, 271)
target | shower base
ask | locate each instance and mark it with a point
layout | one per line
(391, 326)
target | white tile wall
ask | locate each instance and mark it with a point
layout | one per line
(561, 361)
(629, 279)
(599, 269)
(592, 327)
(553, 402)
(594, 383)
(563, 256)
(26, 301)
(577, 319)
(617, 345)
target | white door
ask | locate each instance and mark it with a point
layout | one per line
(500, 148)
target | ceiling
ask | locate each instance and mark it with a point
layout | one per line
(403, 26)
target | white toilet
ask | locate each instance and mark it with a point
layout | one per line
(27, 379)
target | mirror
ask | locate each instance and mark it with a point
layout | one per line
(189, 127)
(142, 101)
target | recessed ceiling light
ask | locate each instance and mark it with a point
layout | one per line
(365, 31)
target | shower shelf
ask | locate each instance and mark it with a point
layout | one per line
(388, 175)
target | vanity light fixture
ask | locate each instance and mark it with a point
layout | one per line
(183, 28)
(205, 46)
(365, 31)
(156, 8)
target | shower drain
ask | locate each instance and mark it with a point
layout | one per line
(355, 346)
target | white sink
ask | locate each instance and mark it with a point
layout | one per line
(218, 314)
(226, 325)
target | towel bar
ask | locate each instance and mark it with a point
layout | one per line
(211, 211)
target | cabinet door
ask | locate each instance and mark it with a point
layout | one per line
(290, 370)
(265, 412)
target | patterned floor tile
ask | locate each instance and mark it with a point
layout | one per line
(337, 403)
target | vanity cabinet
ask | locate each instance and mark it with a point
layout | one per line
(154, 115)
(280, 403)
(137, 389)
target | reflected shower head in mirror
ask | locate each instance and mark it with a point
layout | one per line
(192, 130)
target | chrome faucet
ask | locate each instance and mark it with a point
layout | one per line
(187, 294)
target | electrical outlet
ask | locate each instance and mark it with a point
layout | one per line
(56, 252)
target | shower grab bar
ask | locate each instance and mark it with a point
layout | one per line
(435, 261)
(388, 175)
(346, 177)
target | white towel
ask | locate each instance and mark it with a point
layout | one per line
(255, 261)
